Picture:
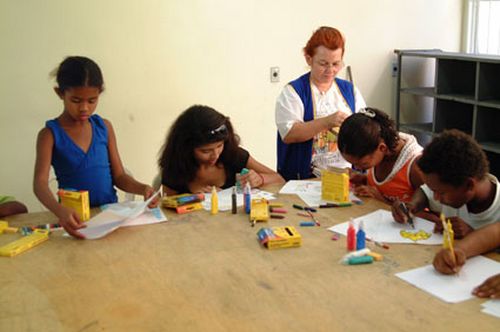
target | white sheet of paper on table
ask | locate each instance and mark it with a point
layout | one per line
(380, 226)
(309, 192)
(116, 215)
(452, 288)
(491, 307)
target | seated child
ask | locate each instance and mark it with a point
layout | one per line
(9, 206)
(80, 145)
(476, 243)
(457, 184)
(369, 141)
(202, 150)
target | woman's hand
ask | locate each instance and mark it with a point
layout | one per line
(336, 119)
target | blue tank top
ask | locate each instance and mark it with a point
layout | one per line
(78, 170)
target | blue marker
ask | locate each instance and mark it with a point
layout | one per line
(307, 223)
(247, 198)
(361, 237)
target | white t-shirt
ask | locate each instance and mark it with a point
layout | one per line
(290, 110)
(474, 220)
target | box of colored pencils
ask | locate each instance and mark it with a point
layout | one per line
(279, 237)
(183, 203)
(76, 200)
(335, 185)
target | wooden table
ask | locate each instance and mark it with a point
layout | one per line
(198, 272)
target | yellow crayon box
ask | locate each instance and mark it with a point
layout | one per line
(335, 185)
(259, 210)
(279, 237)
(76, 200)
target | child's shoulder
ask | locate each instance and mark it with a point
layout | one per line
(97, 119)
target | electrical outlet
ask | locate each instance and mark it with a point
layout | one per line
(275, 74)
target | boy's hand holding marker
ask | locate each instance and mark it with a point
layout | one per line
(448, 262)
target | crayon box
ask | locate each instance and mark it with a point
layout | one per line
(76, 200)
(335, 185)
(279, 237)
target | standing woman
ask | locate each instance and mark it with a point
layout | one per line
(202, 150)
(310, 109)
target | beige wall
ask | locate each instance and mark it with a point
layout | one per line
(159, 57)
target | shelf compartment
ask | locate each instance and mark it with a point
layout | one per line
(416, 111)
(423, 91)
(456, 77)
(489, 82)
(487, 132)
(451, 114)
(425, 128)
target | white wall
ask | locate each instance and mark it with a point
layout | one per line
(159, 57)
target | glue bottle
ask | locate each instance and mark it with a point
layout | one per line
(351, 236)
(361, 237)
(215, 201)
(247, 197)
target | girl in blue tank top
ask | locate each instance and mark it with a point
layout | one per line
(81, 146)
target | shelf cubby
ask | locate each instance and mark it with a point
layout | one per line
(464, 94)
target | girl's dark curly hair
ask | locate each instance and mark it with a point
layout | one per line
(196, 126)
(360, 133)
(454, 156)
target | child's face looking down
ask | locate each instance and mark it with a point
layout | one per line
(80, 102)
(208, 154)
(368, 161)
(448, 194)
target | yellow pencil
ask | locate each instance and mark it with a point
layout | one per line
(448, 237)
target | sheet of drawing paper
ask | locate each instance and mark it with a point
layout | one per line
(309, 192)
(127, 209)
(102, 224)
(224, 198)
(492, 307)
(301, 187)
(380, 226)
(452, 288)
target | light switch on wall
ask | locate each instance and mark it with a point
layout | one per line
(275, 74)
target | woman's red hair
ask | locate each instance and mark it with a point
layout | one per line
(328, 37)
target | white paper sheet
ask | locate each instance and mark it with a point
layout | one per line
(117, 215)
(224, 198)
(492, 307)
(452, 288)
(380, 226)
(310, 192)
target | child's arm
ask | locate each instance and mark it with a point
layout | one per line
(418, 203)
(476, 243)
(416, 178)
(67, 217)
(259, 174)
(121, 179)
